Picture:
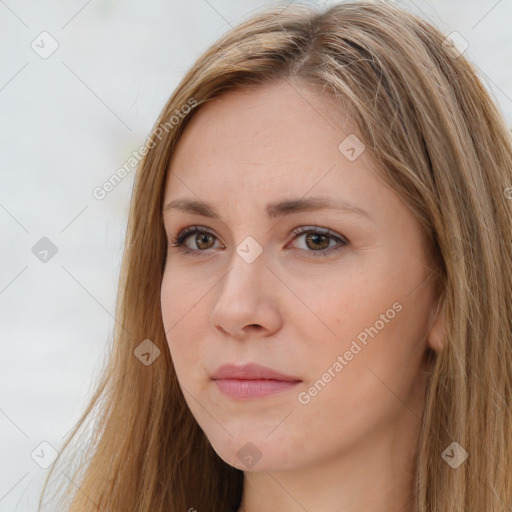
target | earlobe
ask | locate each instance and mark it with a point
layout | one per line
(437, 334)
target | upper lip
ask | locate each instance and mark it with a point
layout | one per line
(250, 372)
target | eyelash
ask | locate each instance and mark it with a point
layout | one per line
(179, 240)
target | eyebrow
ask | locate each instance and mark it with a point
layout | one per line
(273, 210)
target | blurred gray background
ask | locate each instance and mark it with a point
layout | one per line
(81, 83)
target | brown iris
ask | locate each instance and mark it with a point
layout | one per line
(314, 237)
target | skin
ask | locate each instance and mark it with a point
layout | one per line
(351, 447)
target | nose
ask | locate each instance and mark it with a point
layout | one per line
(247, 303)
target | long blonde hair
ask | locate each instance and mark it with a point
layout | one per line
(444, 147)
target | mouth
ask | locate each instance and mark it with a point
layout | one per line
(252, 381)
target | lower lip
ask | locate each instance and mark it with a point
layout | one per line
(244, 388)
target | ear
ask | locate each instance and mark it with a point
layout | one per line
(437, 334)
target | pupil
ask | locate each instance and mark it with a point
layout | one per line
(316, 241)
(202, 238)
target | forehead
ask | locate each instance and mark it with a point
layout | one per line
(266, 142)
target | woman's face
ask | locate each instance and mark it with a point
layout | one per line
(346, 312)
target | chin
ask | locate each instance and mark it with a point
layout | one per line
(253, 452)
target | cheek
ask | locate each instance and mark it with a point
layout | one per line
(368, 318)
(180, 306)
(334, 310)
(178, 295)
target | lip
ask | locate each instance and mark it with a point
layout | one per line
(251, 371)
(251, 381)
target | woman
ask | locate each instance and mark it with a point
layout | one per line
(315, 296)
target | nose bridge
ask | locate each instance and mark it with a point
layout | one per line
(245, 297)
(246, 266)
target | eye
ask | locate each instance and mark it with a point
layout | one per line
(203, 239)
(317, 240)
